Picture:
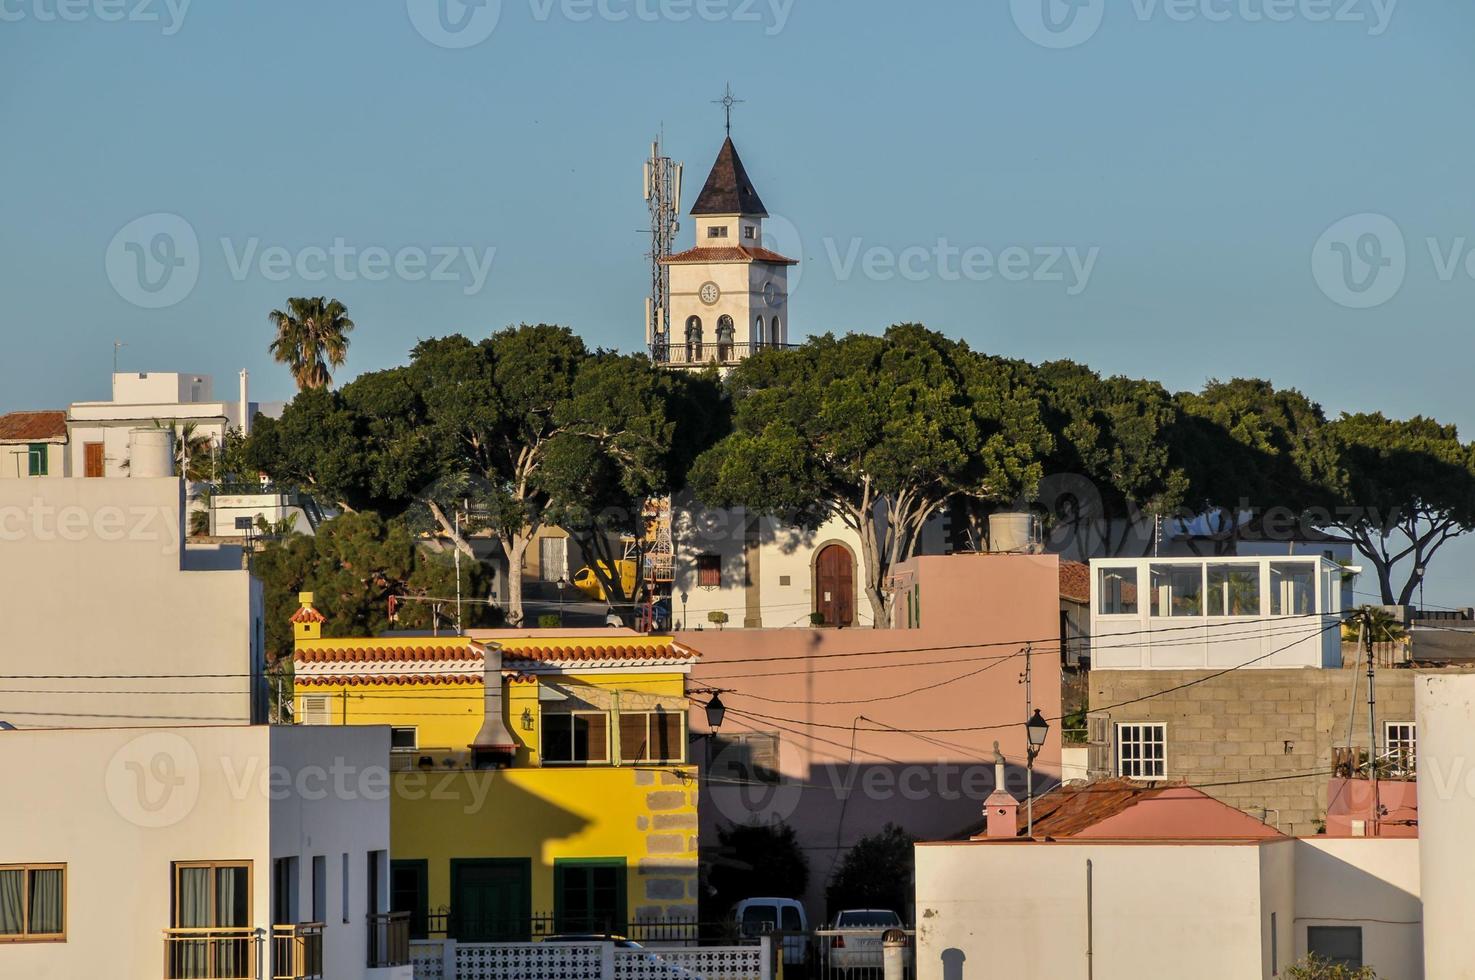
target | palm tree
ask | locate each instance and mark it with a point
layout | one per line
(311, 335)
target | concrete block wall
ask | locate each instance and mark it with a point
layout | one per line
(1277, 727)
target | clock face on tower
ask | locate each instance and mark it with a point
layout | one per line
(709, 293)
(770, 294)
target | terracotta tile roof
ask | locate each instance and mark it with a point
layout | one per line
(406, 653)
(574, 653)
(33, 427)
(307, 614)
(728, 189)
(353, 680)
(1075, 582)
(1080, 809)
(729, 253)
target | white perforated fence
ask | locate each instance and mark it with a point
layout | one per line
(449, 960)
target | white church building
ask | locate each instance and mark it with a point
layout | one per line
(729, 297)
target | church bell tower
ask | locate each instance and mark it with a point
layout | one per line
(729, 295)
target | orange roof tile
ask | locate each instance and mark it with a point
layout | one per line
(1075, 582)
(396, 654)
(307, 614)
(33, 427)
(728, 253)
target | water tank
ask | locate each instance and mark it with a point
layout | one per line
(150, 453)
(1012, 533)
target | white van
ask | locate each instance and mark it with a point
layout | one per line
(754, 917)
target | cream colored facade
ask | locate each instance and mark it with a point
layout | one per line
(96, 582)
(1121, 910)
(1445, 712)
(121, 808)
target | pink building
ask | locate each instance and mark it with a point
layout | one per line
(839, 732)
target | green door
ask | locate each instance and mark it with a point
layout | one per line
(589, 896)
(491, 900)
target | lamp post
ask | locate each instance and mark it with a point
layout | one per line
(1037, 728)
(562, 584)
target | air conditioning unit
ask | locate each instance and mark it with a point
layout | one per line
(315, 709)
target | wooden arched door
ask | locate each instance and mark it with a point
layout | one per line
(834, 585)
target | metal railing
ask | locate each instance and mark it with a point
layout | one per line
(859, 954)
(297, 951)
(389, 939)
(719, 352)
(446, 924)
(1398, 763)
(211, 954)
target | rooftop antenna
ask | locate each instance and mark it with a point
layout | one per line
(663, 198)
(117, 346)
(727, 102)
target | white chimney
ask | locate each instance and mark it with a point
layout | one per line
(245, 403)
(493, 747)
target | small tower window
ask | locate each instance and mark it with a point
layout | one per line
(777, 336)
(716, 231)
(759, 332)
(750, 233)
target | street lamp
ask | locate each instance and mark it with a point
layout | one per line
(562, 584)
(1036, 728)
(716, 711)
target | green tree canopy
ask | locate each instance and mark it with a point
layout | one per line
(879, 432)
(754, 859)
(877, 873)
(354, 564)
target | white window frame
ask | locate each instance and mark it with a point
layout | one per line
(1141, 763)
(716, 231)
(1402, 733)
(1102, 571)
(414, 736)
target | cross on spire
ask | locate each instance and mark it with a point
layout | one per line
(727, 102)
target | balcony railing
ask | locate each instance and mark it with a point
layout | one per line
(720, 353)
(211, 954)
(297, 951)
(389, 939)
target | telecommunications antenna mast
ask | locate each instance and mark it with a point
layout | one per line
(663, 197)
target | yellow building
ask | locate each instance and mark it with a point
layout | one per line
(556, 799)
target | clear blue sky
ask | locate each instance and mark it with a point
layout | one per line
(1204, 154)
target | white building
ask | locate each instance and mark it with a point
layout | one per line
(99, 430)
(230, 852)
(1197, 613)
(108, 616)
(1164, 883)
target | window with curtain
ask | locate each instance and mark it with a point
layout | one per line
(32, 902)
(652, 736)
(575, 737)
(213, 901)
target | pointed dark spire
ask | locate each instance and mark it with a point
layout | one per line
(728, 189)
